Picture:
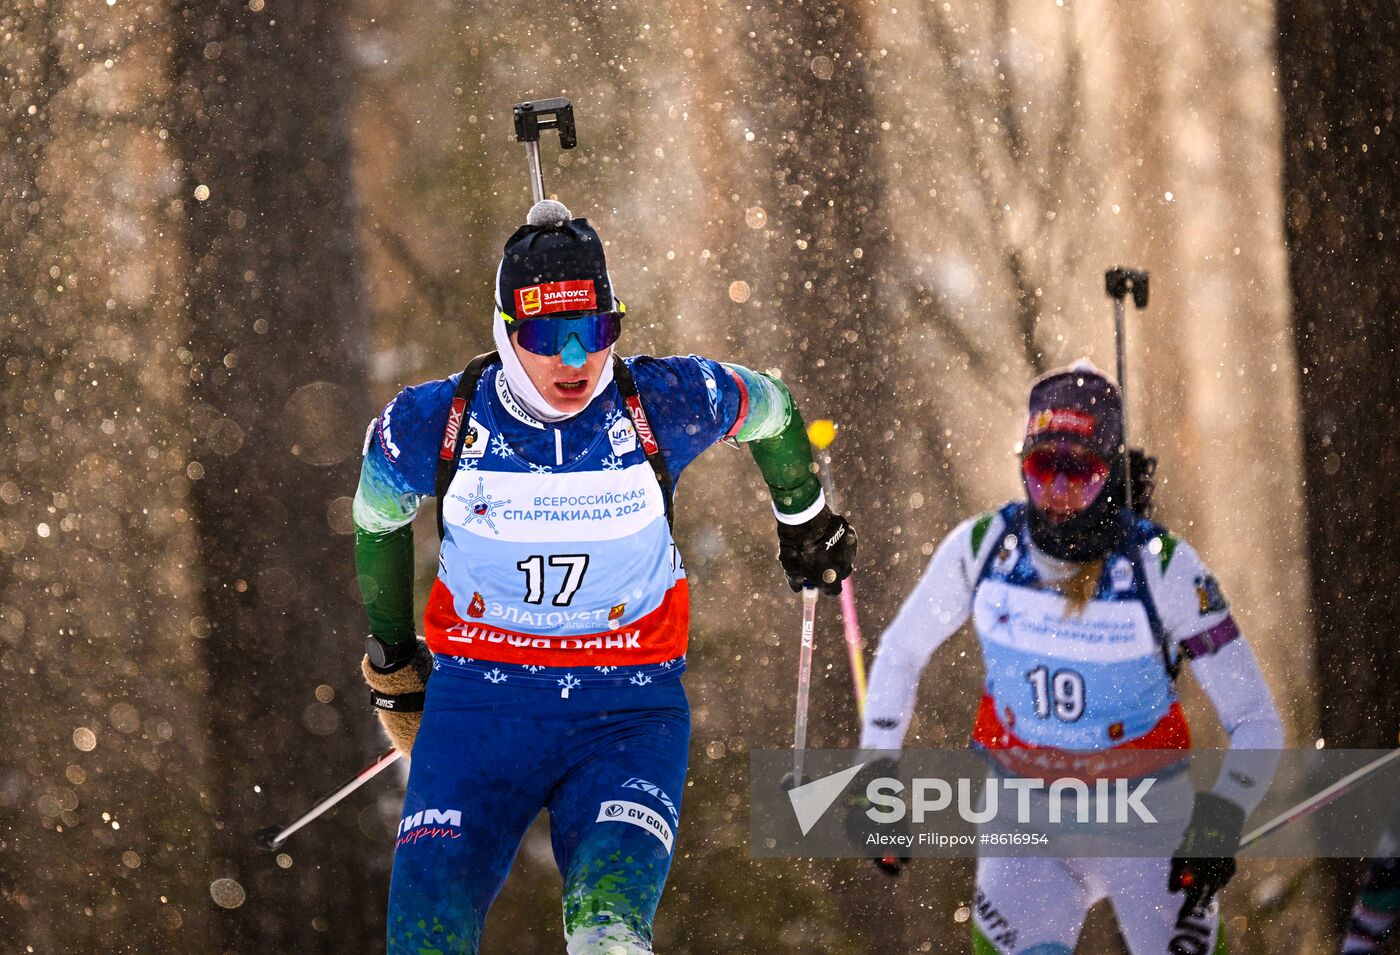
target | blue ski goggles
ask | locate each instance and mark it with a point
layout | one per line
(548, 336)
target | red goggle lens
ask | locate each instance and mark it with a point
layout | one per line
(1064, 479)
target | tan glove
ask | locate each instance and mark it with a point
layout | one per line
(397, 695)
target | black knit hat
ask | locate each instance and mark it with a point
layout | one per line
(553, 266)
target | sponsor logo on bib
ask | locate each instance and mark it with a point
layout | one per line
(1006, 556)
(1121, 575)
(477, 438)
(622, 436)
(1209, 596)
(481, 506)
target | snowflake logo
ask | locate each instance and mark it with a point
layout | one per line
(667, 664)
(605, 669)
(614, 416)
(569, 682)
(466, 464)
(538, 468)
(534, 667)
(494, 676)
(482, 507)
(500, 449)
(612, 463)
(639, 679)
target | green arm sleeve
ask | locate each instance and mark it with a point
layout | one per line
(384, 567)
(777, 438)
(383, 513)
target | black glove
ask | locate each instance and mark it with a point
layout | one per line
(1142, 468)
(858, 824)
(1205, 860)
(397, 674)
(819, 552)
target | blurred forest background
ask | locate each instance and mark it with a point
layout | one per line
(231, 229)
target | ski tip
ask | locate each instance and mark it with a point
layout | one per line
(821, 433)
(266, 838)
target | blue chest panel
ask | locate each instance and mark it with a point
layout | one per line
(554, 550)
(1076, 678)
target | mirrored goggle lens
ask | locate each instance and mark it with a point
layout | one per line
(1074, 463)
(1064, 480)
(548, 336)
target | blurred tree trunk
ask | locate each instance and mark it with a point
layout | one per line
(823, 250)
(279, 396)
(1339, 68)
(823, 259)
(101, 819)
(1340, 74)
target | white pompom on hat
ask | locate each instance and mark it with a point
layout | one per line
(548, 213)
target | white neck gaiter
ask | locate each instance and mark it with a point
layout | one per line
(523, 389)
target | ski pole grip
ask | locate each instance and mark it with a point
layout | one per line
(1118, 282)
(556, 113)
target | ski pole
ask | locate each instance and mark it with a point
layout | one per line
(1315, 802)
(821, 434)
(1119, 282)
(804, 681)
(272, 837)
(530, 118)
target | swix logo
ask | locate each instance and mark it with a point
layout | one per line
(431, 824)
(454, 425)
(575, 296)
(639, 418)
(1071, 420)
(840, 533)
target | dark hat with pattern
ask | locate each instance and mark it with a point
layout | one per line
(1078, 403)
(553, 267)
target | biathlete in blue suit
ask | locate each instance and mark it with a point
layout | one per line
(556, 627)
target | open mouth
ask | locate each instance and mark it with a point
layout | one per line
(570, 387)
